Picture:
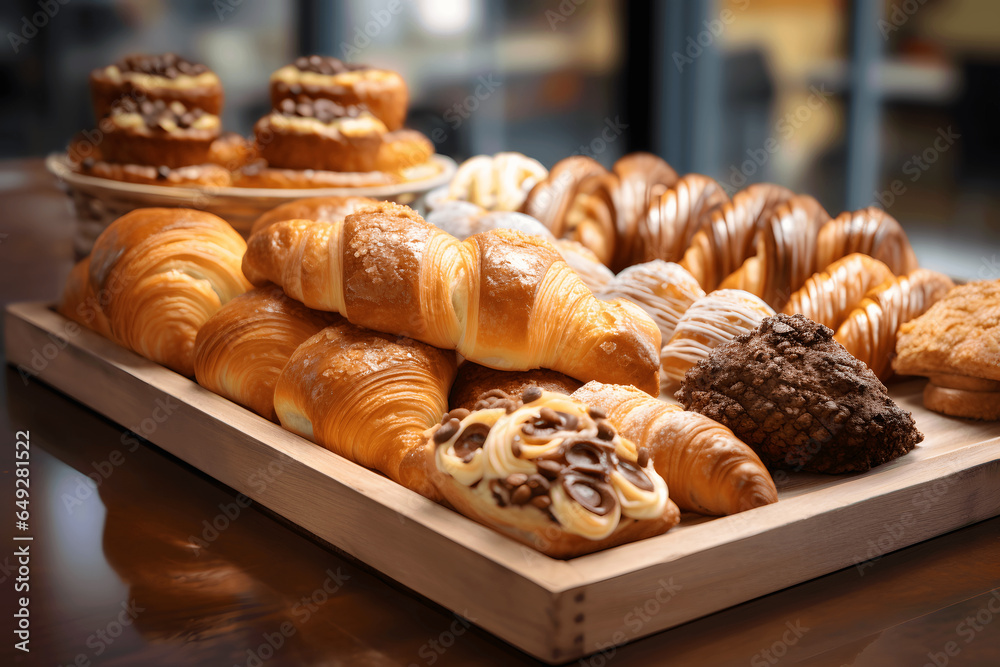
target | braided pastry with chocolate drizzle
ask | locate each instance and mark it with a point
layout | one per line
(869, 331)
(604, 216)
(550, 472)
(551, 197)
(786, 252)
(829, 295)
(674, 217)
(727, 239)
(871, 231)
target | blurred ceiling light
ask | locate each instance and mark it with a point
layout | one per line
(446, 17)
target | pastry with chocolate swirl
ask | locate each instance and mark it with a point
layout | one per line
(382, 91)
(167, 78)
(549, 472)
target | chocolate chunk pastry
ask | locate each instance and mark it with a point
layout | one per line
(799, 399)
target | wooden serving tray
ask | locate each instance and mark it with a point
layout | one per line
(554, 610)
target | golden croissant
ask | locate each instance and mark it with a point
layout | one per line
(159, 273)
(501, 298)
(707, 468)
(368, 397)
(242, 348)
(80, 304)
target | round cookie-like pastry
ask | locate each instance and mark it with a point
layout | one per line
(956, 343)
(167, 78)
(800, 400)
(382, 91)
(321, 135)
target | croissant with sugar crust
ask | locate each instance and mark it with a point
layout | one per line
(502, 298)
(663, 289)
(712, 320)
(676, 215)
(162, 272)
(242, 348)
(707, 468)
(829, 295)
(550, 472)
(869, 331)
(727, 238)
(368, 397)
(786, 252)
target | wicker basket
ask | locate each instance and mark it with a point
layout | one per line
(99, 201)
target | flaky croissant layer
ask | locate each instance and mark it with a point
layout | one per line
(502, 298)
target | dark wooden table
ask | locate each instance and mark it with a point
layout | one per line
(124, 569)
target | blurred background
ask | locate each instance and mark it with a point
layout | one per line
(886, 102)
